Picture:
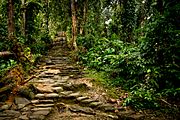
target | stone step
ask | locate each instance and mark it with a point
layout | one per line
(46, 95)
(41, 109)
(87, 101)
(45, 76)
(57, 89)
(42, 101)
(43, 105)
(95, 104)
(107, 107)
(81, 98)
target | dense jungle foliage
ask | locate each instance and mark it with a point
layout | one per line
(135, 43)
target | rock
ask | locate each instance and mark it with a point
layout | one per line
(12, 113)
(65, 93)
(25, 109)
(37, 117)
(87, 101)
(65, 77)
(45, 76)
(39, 96)
(26, 91)
(49, 62)
(74, 109)
(95, 104)
(44, 105)
(57, 89)
(42, 112)
(52, 95)
(5, 107)
(114, 117)
(42, 101)
(81, 98)
(6, 118)
(50, 71)
(85, 110)
(44, 88)
(34, 101)
(21, 102)
(58, 84)
(42, 109)
(136, 117)
(107, 107)
(68, 87)
(125, 114)
(23, 117)
(45, 80)
(2, 114)
(74, 95)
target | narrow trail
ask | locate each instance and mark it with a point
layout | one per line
(62, 93)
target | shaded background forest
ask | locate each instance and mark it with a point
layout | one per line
(135, 43)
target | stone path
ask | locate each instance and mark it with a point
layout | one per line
(57, 97)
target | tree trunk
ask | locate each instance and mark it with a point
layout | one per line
(17, 47)
(84, 17)
(23, 17)
(47, 16)
(11, 27)
(74, 25)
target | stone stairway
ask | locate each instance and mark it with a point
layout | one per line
(58, 98)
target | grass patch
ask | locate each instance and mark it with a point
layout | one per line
(101, 79)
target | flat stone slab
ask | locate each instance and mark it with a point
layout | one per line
(65, 77)
(5, 107)
(87, 101)
(12, 113)
(6, 118)
(57, 89)
(43, 88)
(95, 104)
(58, 84)
(42, 109)
(66, 93)
(23, 117)
(21, 102)
(44, 105)
(45, 76)
(40, 96)
(37, 117)
(42, 101)
(81, 98)
(45, 80)
(75, 95)
(52, 71)
(85, 110)
(107, 107)
(42, 112)
(52, 95)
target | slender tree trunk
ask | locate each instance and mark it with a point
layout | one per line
(23, 18)
(17, 47)
(74, 25)
(84, 17)
(47, 16)
(11, 27)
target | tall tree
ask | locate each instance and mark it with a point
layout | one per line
(84, 18)
(47, 16)
(11, 25)
(74, 25)
(23, 17)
